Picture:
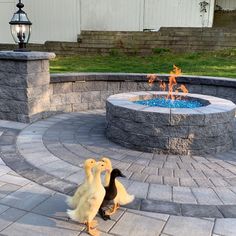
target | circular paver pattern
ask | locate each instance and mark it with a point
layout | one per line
(51, 152)
(74, 140)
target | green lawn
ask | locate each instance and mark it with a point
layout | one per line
(220, 63)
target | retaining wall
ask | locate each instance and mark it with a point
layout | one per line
(175, 39)
(83, 91)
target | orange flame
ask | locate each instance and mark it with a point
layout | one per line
(172, 83)
(162, 85)
(151, 79)
(183, 89)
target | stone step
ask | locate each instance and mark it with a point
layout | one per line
(159, 36)
(195, 39)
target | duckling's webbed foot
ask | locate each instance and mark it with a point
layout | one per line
(103, 215)
(91, 231)
(113, 210)
(106, 217)
(93, 224)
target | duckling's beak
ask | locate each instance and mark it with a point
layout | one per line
(121, 175)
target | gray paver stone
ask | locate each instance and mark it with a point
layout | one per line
(228, 211)
(206, 196)
(36, 225)
(160, 192)
(138, 189)
(136, 225)
(161, 207)
(9, 216)
(54, 206)
(183, 195)
(154, 179)
(226, 195)
(182, 226)
(200, 211)
(225, 227)
(26, 198)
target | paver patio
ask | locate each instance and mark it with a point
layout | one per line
(175, 195)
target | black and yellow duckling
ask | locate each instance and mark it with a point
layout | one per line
(111, 192)
(122, 197)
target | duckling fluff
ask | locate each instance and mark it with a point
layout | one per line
(90, 201)
(74, 200)
(122, 197)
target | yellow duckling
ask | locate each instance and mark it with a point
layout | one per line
(74, 200)
(122, 197)
(91, 201)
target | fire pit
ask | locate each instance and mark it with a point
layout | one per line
(172, 121)
(206, 129)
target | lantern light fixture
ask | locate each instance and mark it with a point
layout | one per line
(20, 27)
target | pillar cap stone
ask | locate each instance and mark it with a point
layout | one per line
(26, 56)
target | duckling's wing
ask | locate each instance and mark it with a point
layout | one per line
(81, 211)
(122, 196)
(92, 204)
(95, 199)
(74, 200)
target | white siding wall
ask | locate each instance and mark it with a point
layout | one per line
(227, 4)
(111, 15)
(53, 19)
(6, 7)
(174, 13)
(62, 20)
(138, 14)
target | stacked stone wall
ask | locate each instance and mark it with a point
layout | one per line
(175, 39)
(24, 86)
(83, 91)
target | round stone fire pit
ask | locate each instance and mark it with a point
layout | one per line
(187, 131)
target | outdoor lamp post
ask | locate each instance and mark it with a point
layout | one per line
(20, 28)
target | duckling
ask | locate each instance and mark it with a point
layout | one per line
(122, 197)
(111, 192)
(73, 201)
(91, 201)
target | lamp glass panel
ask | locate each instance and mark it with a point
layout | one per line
(21, 33)
(20, 17)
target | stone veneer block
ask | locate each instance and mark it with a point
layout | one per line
(110, 83)
(24, 80)
(181, 131)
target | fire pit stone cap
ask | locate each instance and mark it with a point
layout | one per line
(186, 111)
(163, 110)
(212, 104)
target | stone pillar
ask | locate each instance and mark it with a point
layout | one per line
(24, 85)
